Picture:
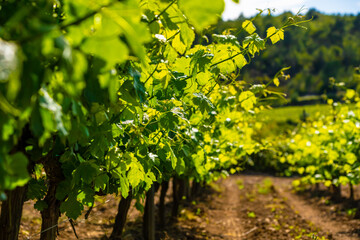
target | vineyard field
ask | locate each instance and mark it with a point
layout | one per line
(114, 105)
(293, 113)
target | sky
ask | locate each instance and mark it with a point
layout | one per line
(248, 7)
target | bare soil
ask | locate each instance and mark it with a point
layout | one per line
(247, 206)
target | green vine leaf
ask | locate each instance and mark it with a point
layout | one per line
(15, 167)
(204, 104)
(254, 43)
(71, 206)
(247, 100)
(249, 26)
(200, 13)
(275, 34)
(86, 172)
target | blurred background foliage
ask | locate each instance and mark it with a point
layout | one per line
(326, 51)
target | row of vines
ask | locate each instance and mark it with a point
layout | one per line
(325, 151)
(118, 97)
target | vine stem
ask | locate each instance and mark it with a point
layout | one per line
(162, 12)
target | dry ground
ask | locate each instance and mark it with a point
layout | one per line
(248, 206)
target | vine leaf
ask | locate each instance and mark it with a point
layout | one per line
(247, 100)
(255, 43)
(226, 39)
(124, 186)
(63, 189)
(240, 61)
(53, 113)
(203, 102)
(248, 26)
(101, 181)
(40, 205)
(72, 207)
(86, 172)
(276, 81)
(275, 34)
(87, 196)
(110, 49)
(15, 167)
(178, 45)
(37, 189)
(136, 173)
(200, 60)
(128, 93)
(202, 13)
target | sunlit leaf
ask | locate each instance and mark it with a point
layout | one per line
(247, 100)
(248, 26)
(110, 49)
(275, 34)
(276, 82)
(201, 13)
(15, 168)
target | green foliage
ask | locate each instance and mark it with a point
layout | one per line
(248, 26)
(327, 47)
(14, 167)
(72, 207)
(240, 184)
(247, 100)
(200, 13)
(324, 149)
(274, 34)
(203, 103)
(293, 113)
(40, 205)
(266, 186)
(37, 189)
(112, 96)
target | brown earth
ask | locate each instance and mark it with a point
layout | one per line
(239, 207)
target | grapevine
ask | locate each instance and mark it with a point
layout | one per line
(103, 97)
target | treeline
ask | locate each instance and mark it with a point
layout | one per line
(327, 51)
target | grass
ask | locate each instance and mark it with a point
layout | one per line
(266, 186)
(215, 187)
(240, 184)
(293, 113)
(351, 212)
(251, 214)
(282, 120)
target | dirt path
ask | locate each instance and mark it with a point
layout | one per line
(261, 207)
(226, 206)
(335, 228)
(251, 207)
